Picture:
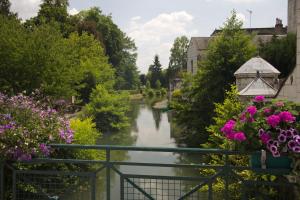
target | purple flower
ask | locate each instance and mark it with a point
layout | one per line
(252, 110)
(286, 116)
(25, 157)
(44, 149)
(282, 138)
(240, 136)
(259, 99)
(267, 111)
(273, 148)
(276, 154)
(297, 139)
(289, 133)
(296, 149)
(261, 131)
(273, 120)
(265, 137)
(292, 144)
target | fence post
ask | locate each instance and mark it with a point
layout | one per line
(107, 173)
(1, 180)
(226, 176)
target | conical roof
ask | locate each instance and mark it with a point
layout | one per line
(256, 64)
(258, 87)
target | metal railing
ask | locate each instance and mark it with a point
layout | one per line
(62, 178)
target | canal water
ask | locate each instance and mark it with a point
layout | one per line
(148, 128)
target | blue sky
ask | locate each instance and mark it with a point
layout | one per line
(154, 24)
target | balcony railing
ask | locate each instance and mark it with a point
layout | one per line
(62, 178)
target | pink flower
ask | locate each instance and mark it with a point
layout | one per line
(228, 127)
(252, 110)
(265, 137)
(279, 104)
(240, 136)
(259, 99)
(286, 116)
(230, 135)
(273, 120)
(267, 111)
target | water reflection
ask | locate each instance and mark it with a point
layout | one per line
(149, 127)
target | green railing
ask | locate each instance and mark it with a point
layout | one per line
(61, 178)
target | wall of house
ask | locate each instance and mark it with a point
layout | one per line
(291, 88)
(242, 82)
(292, 22)
(192, 57)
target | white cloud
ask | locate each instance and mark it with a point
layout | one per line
(156, 36)
(73, 11)
(25, 8)
(244, 1)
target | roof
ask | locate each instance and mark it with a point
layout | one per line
(256, 64)
(258, 87)
(260, 31)
(201, 42)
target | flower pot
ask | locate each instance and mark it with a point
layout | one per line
(282, 162)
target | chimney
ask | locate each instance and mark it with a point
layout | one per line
(278, 26)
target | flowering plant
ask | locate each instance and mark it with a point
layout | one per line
(271, 125)
(27, 126)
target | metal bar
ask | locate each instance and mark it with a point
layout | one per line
(189, 178)
(14, 186)
(108, 174)
(122, 187)
(139, 189)
(1, 180)
(152, 149)
(93, 187)
(226, 171)
(210, 192)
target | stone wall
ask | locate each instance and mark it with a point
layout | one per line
(292, 16)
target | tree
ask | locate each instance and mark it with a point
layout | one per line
(155, 72)
(178, 58)
(281, 53)
(119, 48)
(4, 7)
(196, 102)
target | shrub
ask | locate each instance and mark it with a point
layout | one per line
(85, 133)
(108, 109)
(27, 126)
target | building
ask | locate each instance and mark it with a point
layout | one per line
(290, 89)
(198, 45)
(248, 72)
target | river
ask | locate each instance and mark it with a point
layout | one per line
(149, 127)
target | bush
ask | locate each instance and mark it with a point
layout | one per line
(27, 126)
(158, 93)
(149, 92)
(108, 109)
(85, 133)
(163, 91)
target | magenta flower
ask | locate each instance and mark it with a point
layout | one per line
(282, 138)
(279, 104)
(228, 127)
(292, 144)
(240, 136)
(286, 116)
(265, 137)
(230, 135)
(252, 110)
(267, 111)
(296, 149)
(259, 99)
(273, 120)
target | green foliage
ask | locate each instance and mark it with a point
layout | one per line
(119, 48)
(108, 108)
(225, 111)
(155, 73)
(157, 84)
(43, 59)
(85, 133)
(226, 53)
(281, 53)
(5, 8)
(178, 58)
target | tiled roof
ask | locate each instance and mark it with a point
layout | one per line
(256, 64)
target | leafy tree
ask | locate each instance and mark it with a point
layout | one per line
(155, 72)
(178, 58)
(195, 104)
(108, 109)
(5, 7)
(119, 48)
(143, 79)
(157, 84)
(281, 53)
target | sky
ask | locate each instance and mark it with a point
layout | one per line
(154, 24)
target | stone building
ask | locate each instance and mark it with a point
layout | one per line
(198, 45)
(290, 89)
(248, 72)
